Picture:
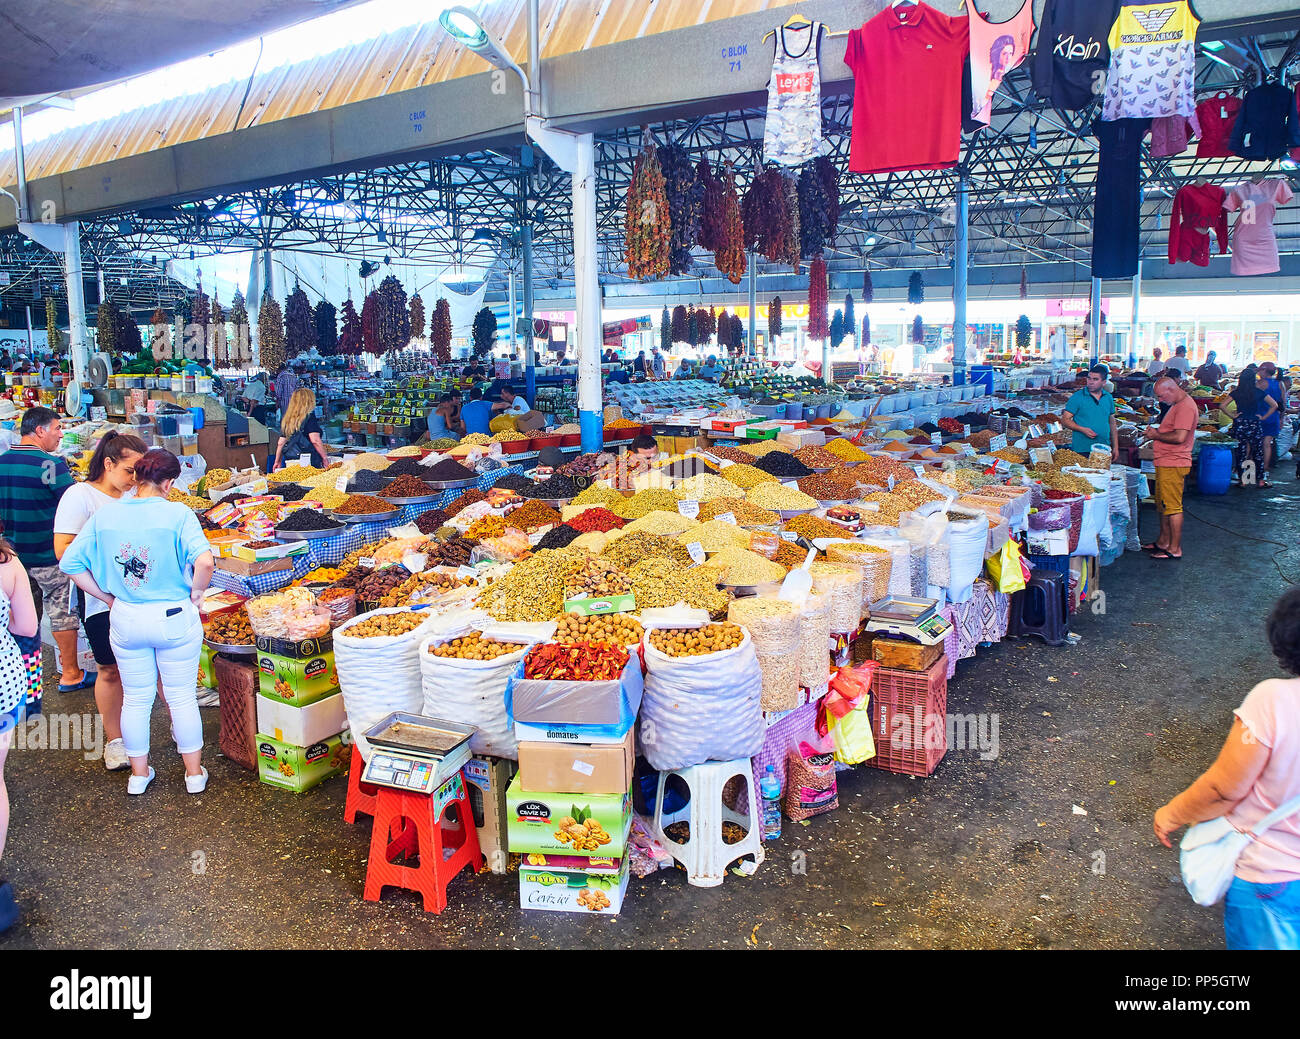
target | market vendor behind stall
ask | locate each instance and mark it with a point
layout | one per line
(1090, 413)
(300, 432)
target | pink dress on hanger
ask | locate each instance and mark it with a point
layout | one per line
(1254, 243)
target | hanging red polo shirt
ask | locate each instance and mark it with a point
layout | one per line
(907, 64)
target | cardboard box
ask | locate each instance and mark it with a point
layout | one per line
(590, 768)
(207, 669)
(609, 604)
(609, 705)
(300, 768)
(797, 438)
(534, 820)
(297, 675)
(556, 889)
(302, 726)
(244, 568)
(486, 780)
(280, 551)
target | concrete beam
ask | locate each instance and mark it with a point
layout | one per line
(705, 68)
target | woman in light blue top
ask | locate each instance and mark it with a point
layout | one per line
(150, 561)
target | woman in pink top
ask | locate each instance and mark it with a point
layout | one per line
(1257, 770)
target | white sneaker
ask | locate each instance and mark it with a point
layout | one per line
(115, 755)
(196, 784)
(139, 784)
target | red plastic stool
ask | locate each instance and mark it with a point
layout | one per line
(361, 796)
(408, 824)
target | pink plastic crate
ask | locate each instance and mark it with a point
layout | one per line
(910, 708)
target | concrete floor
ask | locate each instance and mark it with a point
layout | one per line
(983, 854)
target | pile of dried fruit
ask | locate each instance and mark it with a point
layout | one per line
(408, 486)
(696, 642)
(231, 629)
(455, 551)
(745, 513)
(379, 583)
(813, 527)
(576, 662)
(533, 589)
(532, 515)
(486, 527)
(600, 519)
(475, 647)
(595, 578)
(360, 504)
(779, 497)
(631, 547)
(846, 450)
(815, 457)
(428, 522)
(293, 474)
(466, 499)
(746, 476)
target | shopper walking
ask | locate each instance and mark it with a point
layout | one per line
(110, 475)
(148, 560)
(17, 617)
(300, 433)
(1256, 772)
(1172, 448)
(1270, 420)
(32, 480)
(1249, 401)
(1157, 365)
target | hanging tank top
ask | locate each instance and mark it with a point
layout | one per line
(792, 132)
(995, 49)
(1152, 62)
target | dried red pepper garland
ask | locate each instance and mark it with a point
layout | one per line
(818, 328)
(647, 224)
(370, 324)
(713, 216)
(729, 256)
(765, 217)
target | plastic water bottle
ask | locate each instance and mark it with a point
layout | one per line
(770, 788)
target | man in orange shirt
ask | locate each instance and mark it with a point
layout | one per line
(1172, 447)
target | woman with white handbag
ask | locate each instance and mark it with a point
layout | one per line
(1244, 812)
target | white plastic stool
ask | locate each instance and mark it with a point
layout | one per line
(704, 854)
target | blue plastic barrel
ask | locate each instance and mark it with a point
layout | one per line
(1214, 470)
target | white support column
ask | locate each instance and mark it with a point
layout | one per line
(960, 264)
(587, 293)
(1135, 333)
(1094, 330)
(78, 353)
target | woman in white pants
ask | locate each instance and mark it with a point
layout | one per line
(149, 560)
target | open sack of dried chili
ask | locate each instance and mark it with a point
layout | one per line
(593, 687)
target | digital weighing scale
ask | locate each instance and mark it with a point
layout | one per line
(905, 617)
(417, 754)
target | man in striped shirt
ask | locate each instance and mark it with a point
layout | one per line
(32, 480)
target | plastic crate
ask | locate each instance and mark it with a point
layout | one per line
(1061, 564)
(237, 689)
(909, 718)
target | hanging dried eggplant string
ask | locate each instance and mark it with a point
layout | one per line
(370, 324)
(713, 212)
(818, 328)
(793, 245)
(766, 217)
(393, 316)
(868, 290)
(916, 289)
(819, 205)
(730, 257)
(685, 196)
(774, 318)
(647, 226)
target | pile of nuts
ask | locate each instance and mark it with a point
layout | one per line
(402, 594)
(662, 582)
(778, 496)
(386, 625)
(293, 474)
(746, 476)
(697, 642)
(231, 629)
(475, 647)
(632, 547)
(816, 457)
(595, 578)
(533, 590)
(576, 662)
(620, 629)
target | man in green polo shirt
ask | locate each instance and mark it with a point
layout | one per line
(1091, 415)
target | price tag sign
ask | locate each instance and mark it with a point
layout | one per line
(366, 562)
(467, 573)
(998, 442)
(696, 551)
(1054, 427)
(891, 482)
(1040, 456)
(690, 508)
(341, 484)
(304, 459)
(789, 535)
(936, 438)
(1035, 431)
(726, 517)
(965, 429)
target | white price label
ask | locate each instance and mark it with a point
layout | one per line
(891, 482)
(936, 437)
(304, 460)
(965, 429)
(998, 442)
(789, 535)
(1035, 431)
(690, 508)
(1055, 427)
(919, 470)
(341, 484)
(366, 562)
(696, 551)
(726, 517)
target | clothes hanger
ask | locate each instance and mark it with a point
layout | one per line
(794, 21)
